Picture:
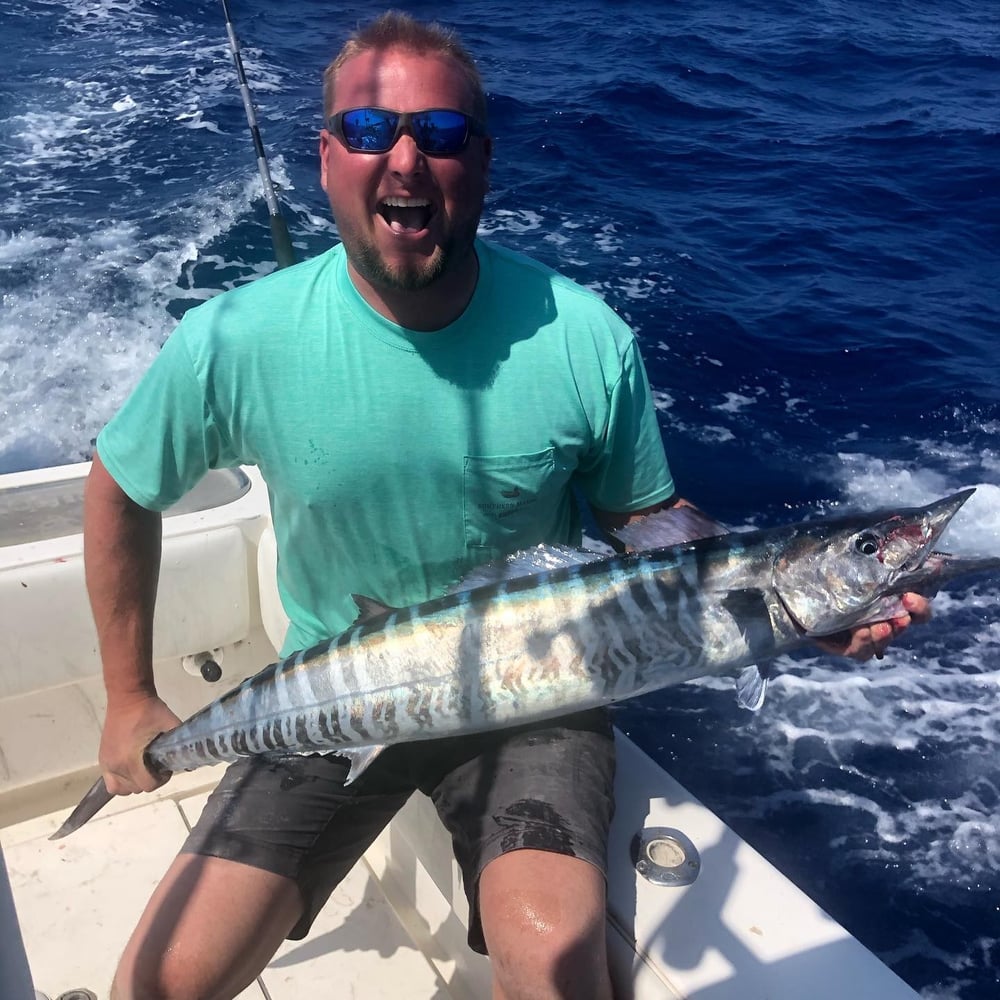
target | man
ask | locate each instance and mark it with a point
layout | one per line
(418, 402)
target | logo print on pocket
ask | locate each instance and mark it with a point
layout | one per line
(514, 499)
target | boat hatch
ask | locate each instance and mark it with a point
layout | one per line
(39, 511)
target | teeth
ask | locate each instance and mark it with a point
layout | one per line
(406, 202)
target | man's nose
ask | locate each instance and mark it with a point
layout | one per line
(404, 157)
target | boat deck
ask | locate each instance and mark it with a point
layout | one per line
(396, 927)
(79, 898)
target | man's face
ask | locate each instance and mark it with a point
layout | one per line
(408, 244)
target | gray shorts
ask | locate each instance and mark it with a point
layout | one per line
(548, 787)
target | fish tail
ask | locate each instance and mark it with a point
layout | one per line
(91, 804)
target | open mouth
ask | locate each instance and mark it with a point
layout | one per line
(406, 215)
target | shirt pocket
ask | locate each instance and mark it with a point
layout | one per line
(511, 501)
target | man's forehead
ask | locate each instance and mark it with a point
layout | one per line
(364, 77)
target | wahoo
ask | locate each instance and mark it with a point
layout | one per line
(556, 630)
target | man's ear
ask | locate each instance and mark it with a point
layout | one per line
(324, 148)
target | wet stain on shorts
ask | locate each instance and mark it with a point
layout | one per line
(528, 823)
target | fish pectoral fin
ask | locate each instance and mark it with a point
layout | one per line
(361, 759)
(370, 609)
(751, 687)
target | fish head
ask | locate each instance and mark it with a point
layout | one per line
(835, 574)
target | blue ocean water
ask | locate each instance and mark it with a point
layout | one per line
(795, 204)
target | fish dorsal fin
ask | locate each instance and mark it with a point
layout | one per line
(528, 562)
(672, 526)
(369, 609)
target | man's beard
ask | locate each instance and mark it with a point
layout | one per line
(369, 263)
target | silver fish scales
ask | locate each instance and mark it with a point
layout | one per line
(554, 631)
(485, 658)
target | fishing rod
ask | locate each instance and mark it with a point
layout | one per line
(283, 252)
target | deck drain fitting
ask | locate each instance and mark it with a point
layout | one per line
(665, 857)
(205, 665)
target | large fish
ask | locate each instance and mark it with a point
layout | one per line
(555, 630)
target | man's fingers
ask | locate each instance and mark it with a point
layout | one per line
(919, 608)
(864, 642)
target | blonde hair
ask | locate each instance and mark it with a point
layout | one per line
(394, 29)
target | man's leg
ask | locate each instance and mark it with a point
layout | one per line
(276, 836)
(209, 929)
(543, 921)
(529, 811)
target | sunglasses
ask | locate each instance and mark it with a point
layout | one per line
(436, 131)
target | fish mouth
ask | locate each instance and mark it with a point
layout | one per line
(915, 532)
(406, 215)
(937, 517)
(940, 567)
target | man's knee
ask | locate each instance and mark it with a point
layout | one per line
(145, 973)
(206, 933)
(544, 923)
(565, 961)
(156, 979)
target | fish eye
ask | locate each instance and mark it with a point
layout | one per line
(867, 544)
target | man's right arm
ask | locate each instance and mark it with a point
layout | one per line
(122, 558)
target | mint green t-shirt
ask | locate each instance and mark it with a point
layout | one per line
(396, 460)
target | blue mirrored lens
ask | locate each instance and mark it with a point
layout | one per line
(440, 131)
(374, 130)
(369, 129)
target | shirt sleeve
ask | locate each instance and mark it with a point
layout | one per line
(165, 436)
(629, 470)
